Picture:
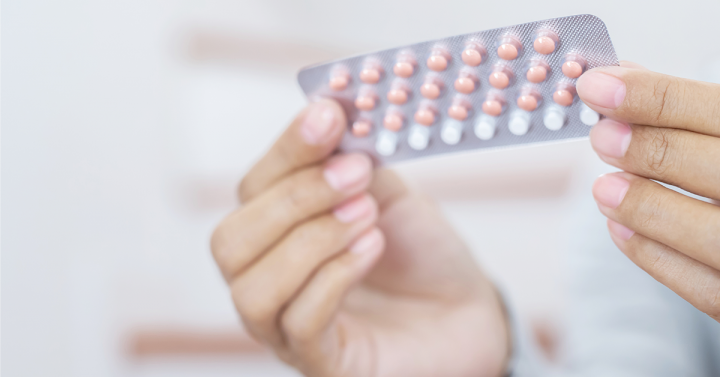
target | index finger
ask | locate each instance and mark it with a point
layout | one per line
(311, 137)
(648, 98)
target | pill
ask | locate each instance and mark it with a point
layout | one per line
(465, 85)
(499, 80)
(485, 127)
(519, 123)
(393, 121)
(365, 102)
(536, 74)
(572, 69)
(339, 82)
(361, 128)
(419, 137)
(386, 143)
(370, 75)
(492, 107)
(430, 90)
(527, 102)
(425, 116)
(544, 45)
(563, 97)
(451, 131)
(458, 112)
(397, 96)
(588, 116)
(437, 62)
(507, 51)
(403, 69)
(554, 118)
(471, 56)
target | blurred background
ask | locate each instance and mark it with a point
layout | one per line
(127, 124)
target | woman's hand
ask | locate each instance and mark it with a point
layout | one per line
(343, 272)
(666, 129)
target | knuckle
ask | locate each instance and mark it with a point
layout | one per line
(666, 96)
(317, 234)
(658, 146)
(252, 310)
(649, 211)
(711, 296)
(299, 331)
(296, 196)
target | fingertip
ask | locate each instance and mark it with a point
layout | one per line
(322, 124)
(619, 231)
(348, 172)
(610, 138)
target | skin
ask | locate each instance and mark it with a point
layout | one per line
(390, 291)
(665, 129)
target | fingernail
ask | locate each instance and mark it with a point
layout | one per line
(610, 138)
(368, 242)
(619, 230)
(354, 209)
(610, 189)
(318, 124)
(346, 171)
(601, 89)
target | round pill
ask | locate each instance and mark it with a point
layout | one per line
(465, 85)
(536, 74)
(507, 51)
(437, 63)
(425, 117)
(527, 102)
(519, 124)
(339, 82)
(572, 69)
(397, 96)
(430, 90)
(419, 137)
(588, 116)
(386, 144)
(544, 45)
(403, 69)
(451, 131)
(472, 57)
(365, 103)
(499, 80)
(563, 97)
(485, 127)
(361, 128)
(492, 108)
(393, 122)
(554, 119)
(370, 75)
(458, 112)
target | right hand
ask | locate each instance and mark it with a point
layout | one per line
(343, 272)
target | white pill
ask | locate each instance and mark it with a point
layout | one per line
(386, 143)
(451, 132)
(519, 123)
(588, 116)
(419, 137)
(485, 127)
(554, 118)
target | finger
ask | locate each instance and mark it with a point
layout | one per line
(387, 187)
(629, 64)
(697, 283)
(248, 232)
(684, 224)
(307, 322)
(312, 136)
(684, 159)
(261, 291)
(649, 98)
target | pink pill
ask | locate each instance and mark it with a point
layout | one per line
(537, 74)
(563, 97)
(544, 45)
(499, 80)
(437, 63)
(430, 90)
(361, 128)
(397, 96)
(492, 107)
(339, 82)
(426, 117)
(465, 85)
(403, 69)
(527, 102)
(458, 112)
(393, 122)
(507, 51)
(370, 75)
(472, 57)
(365, 102)
(572, 69)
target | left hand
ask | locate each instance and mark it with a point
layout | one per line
(666, 129)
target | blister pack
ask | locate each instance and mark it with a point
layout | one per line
(499, 87)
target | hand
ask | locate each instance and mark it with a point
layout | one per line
(666, 129)
(344, 272)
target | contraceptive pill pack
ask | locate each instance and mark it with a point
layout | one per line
(500, 87)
